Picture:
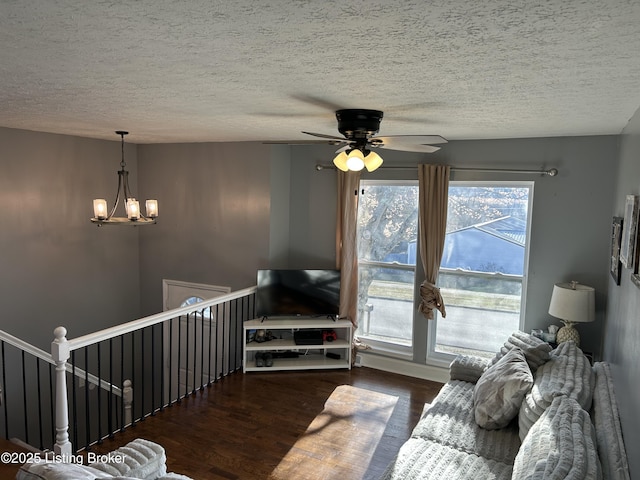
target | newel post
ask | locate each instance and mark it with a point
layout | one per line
(127, 399)
(60, 353)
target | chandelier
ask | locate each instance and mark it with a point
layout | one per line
(131, 205)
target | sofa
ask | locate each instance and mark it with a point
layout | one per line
(139, 459)
(531, 412)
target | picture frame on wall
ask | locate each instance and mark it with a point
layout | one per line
(615, 266)
(629, 232)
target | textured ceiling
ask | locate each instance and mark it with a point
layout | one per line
(202, 70)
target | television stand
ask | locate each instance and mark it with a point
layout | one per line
(287, 355)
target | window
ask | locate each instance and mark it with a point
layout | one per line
(483, 269)
(482, 277)
(387, 234)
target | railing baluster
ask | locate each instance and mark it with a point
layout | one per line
(153, 371)
(186, 360)
(161, 369)
(170, 372)
(86, 398)
(74, 395)
(195, 350)
(39, 404)
(24, 398)
(211, 322)
(133, 377)
(99, 392)
(179, 351)
(5, 396)
(51, 397)
(110, 400)
(224, 338)
(122, 424)
(202, 320)
(142, 376)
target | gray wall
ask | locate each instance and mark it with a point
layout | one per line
(571, 218)
(229, 209)
(622, 328)
(57, 268)
(214, 223)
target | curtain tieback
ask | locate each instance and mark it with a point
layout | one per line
(431, 298)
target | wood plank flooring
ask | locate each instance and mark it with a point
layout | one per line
(244, 426)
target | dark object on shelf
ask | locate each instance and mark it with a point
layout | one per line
(329, 335)
(335, 356)
(286, 354)
(308, 337)
(263, 336)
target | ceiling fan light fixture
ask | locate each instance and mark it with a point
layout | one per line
(355, 160)
(372, 161)
(341, 161)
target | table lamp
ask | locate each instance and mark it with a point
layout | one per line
(572, 303)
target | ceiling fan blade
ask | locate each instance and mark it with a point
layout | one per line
(322, 135)
(302, 142)
(409, 147)
(317, 101)
(391, 141)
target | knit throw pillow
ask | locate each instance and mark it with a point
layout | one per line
(535, 350)
(561, 445)
(500, 390)
(568, 373)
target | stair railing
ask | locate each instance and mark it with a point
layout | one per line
(27, 395)
(165, 357)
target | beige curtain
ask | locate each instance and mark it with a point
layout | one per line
(346, 243)
(434, 197)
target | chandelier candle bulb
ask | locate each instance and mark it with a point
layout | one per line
(152, 208)
(133, 209)
(100, 208)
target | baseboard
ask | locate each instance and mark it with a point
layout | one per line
(403, 367)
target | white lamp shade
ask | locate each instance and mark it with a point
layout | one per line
(152, 208)
(573, 302)
(341, 161)
(100, 208)
(372, 161)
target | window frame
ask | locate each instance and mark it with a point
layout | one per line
(442, 359)
(389, 348)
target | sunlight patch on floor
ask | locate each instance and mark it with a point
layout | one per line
(339, 443)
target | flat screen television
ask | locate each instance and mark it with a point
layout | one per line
(298, 293)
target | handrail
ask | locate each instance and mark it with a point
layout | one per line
(155, 319)
(46, 357)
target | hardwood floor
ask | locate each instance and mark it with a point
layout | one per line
(244, 426)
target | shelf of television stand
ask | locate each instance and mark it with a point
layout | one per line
(311, 357)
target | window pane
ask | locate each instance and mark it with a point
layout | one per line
(388, 223)
(387, 300)
(483, 267)
(387, 233)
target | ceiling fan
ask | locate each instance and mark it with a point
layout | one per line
(359, 127)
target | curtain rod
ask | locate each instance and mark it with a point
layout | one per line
(552, 172)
